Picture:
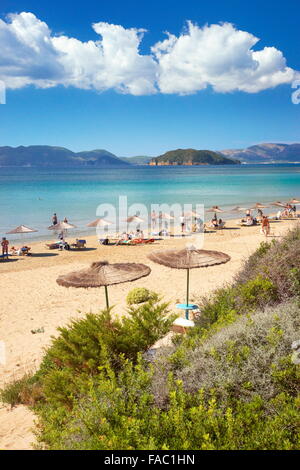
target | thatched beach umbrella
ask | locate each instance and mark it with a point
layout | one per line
(277, 204)
(61, 226)
(214, 209)
(240, 209)
(22, 229)
(134, 218)
(99, 223)
(101, 273)
(258, 205)
(294, 201)
(192, 214)
(166, 216)
(188, 258)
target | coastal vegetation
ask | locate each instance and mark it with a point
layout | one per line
(230, 383)
(192, 157)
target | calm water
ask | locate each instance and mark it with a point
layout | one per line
(30, 196)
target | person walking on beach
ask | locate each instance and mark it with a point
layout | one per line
(65, 220)
(4, 245)
(265, 225)
(54, 219)
(182, 222)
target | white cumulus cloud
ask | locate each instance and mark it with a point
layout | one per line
(220, 56)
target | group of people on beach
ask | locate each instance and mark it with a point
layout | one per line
(288, 211)
(138, 235)
(23, 250)
(183, 221)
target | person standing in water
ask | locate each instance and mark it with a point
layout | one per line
(54, 219)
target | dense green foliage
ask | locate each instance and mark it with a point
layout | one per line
(82, 348)
(195, 157)
(270, 275)
(278, 261)
(118, 413)
(229, 384)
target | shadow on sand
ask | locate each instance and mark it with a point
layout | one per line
(42, 255)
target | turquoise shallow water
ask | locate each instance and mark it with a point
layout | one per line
(30, 196)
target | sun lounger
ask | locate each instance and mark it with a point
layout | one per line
(135, 241)
(53, 246)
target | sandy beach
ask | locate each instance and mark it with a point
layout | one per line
(31, 299)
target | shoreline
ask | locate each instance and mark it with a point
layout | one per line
(32, 300)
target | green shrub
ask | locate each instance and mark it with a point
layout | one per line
(85, 345)
(118, 412)
(249, 356)
(228, 302)
(279, 262)
(229, 384)
(24, 390)
(139, 295)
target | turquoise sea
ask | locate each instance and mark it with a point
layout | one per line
(30, 196)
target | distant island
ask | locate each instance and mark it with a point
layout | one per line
(191, 157)
(46, 156)
(266, 153)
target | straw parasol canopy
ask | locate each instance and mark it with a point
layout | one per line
(294, 201)
(277, 204)
(192, 214)
(99, 223)
(101, 273)
(240, 209)
(166, 216)
(61, 226)
(134, 218)
(188, 258)
(22, 229)
(214, 209)
(258, 205)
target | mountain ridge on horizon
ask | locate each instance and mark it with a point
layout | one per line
(49, 156)
(266, 152)
(54, 156)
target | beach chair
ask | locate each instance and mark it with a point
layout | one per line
(24, 251)
(79, 244)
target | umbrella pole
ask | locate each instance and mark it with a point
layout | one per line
(106, 297)
(187, 292)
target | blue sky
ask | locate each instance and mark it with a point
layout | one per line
(202, 89)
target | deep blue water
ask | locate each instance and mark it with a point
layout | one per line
(30, 196)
